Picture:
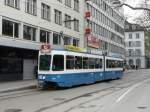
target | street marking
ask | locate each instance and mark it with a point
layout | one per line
(130, 89)
(122, 96)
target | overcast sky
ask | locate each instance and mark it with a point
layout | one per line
(131, 14)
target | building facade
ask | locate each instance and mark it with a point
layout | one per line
(135, 46)
(26, 24)
(104, 28)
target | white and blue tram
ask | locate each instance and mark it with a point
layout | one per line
(62, 68)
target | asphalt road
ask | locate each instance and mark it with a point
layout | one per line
(129, 94)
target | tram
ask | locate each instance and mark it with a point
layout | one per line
(67, 68)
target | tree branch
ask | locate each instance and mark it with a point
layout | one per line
(134, 8)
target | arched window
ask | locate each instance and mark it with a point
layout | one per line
(130, 62)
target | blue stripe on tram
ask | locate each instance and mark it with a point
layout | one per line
(72, 79)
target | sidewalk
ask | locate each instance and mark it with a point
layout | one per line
(26, 84)
(17, 85)
(130, 71)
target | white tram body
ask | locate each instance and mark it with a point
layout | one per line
(62, 68)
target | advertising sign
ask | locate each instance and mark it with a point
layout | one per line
(74, 48)
(93, 41)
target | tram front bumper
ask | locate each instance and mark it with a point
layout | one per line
(49, 78)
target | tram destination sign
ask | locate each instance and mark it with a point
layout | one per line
(45, 48)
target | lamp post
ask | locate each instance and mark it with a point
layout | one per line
(104, 53)
(62, 33)
(62, 36)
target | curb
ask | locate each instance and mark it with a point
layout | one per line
(18, 88)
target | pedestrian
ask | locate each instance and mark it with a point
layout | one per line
(136, 67)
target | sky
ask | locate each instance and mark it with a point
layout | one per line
(131, 14)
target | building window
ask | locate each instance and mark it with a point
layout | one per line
(76, 25)
(138, 43)
(68, 3)
(75, 42)
(131, 52)
(137, 35)
(13, 3)
(76, 5)
(67, 21)
(130, 35)
(58, 17)
(59, 1)
(127, 27)
(56, 39)
(45, 11)
(31, 7)
(10, 28)
(131, 62)
(67, 40)
(133, 27)
(131, 44)
(29, 33)
(138, 52)
(44, 36)
(138, 63)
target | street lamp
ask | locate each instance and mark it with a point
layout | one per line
(61, 32)
(104, 53)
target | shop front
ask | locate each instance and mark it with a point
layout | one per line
(17, 64)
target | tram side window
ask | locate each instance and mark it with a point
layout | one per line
(114, 64)
(101, 63)
(97, 63)
(69, 62)
(91, 63)
(108, 64)
(58, 63)
(78, 62)
(45, 61)
(120, 64)
(85, 63)
(117, 64)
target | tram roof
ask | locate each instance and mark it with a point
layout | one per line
(74, 52)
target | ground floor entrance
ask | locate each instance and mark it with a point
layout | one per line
(136, 62)
(17, 64)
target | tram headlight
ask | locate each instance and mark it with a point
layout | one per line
(44, 77)
(41, 77)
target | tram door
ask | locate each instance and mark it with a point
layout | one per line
(28, 69)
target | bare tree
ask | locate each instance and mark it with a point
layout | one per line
(133, 8)
(144, 19)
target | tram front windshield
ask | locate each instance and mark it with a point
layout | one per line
(45, 62)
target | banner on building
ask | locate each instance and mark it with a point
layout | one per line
(93, 41)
